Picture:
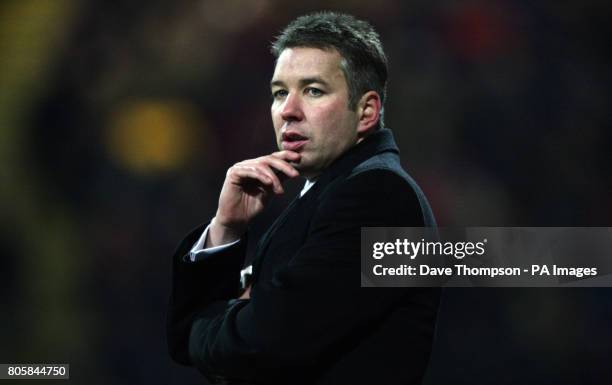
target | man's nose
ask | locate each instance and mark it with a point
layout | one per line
(292, 108)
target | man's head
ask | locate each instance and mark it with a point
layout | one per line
(328, 87)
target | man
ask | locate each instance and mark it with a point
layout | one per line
(305, 319)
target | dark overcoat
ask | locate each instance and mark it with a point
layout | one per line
(309, 321)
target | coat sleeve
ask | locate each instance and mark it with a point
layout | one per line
(313, 309)
(204, 287)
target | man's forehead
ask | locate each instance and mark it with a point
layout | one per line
(307, 62)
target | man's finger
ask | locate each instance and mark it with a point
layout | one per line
(287, 155)
(264, 175)
(281, 165)
(264, 168)
(274, 177)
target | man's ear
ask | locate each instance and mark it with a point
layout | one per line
(368, 112)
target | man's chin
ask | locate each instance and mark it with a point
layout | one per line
(298, 165)
(305, 170)
(305, 167)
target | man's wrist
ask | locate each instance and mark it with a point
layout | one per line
(219, 234)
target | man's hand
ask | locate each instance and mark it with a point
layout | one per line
(247, 188)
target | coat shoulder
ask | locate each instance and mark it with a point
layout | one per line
(381, 183)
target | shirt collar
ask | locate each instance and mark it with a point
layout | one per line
(309, 183)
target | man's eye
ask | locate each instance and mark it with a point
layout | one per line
(279, 94)
(314, 91)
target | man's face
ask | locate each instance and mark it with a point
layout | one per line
(310, 109)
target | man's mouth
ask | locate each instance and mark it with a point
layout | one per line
(293, 141)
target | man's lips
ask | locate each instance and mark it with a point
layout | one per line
(293, 145)
(292, 135)
(293, 141)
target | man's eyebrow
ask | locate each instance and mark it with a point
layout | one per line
(303, 82)
(313, 79)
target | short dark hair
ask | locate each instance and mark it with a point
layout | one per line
(364, 62)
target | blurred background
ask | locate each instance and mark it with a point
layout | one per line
(118, 121)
